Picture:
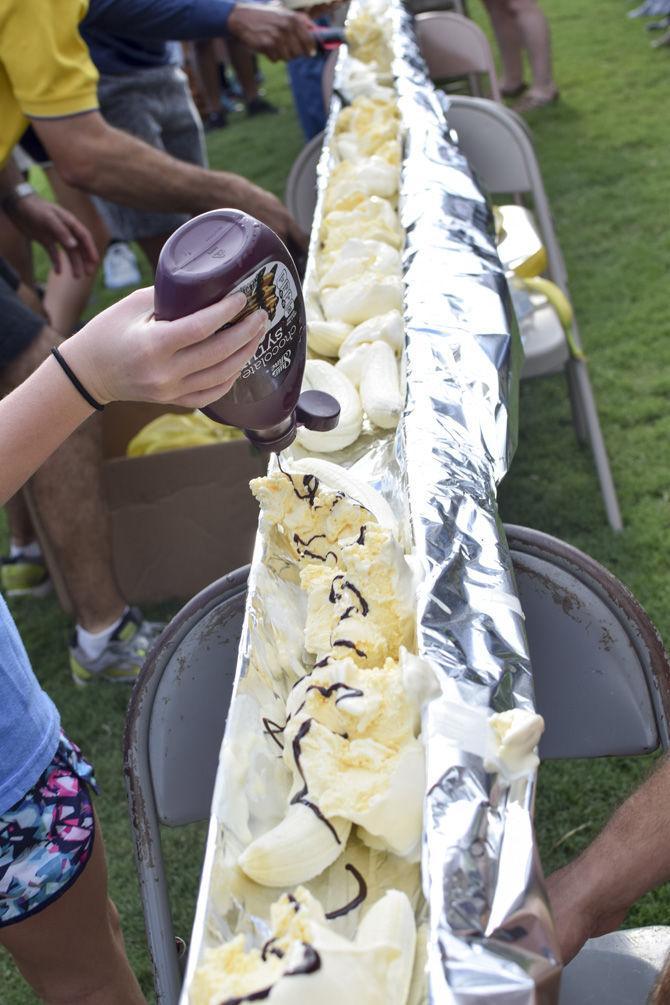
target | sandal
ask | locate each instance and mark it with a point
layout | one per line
(514, 92)
(531, 102)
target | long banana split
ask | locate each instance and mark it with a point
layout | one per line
(339, 744)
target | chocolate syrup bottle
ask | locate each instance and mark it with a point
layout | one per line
(224, 252)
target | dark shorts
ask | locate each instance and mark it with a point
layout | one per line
(19, 326)
(47, 837)
(156, 106)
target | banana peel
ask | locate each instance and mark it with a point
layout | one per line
(554, 295)
(175, 431)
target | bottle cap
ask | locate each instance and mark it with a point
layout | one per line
(315, 410)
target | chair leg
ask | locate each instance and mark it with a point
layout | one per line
(581, 386)
(578, 417)
(154, 895)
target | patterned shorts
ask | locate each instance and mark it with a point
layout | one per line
(46, 838)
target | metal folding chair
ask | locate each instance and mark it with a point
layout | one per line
(300, 195)
(455, 47)
(601, 677)
(497, 145)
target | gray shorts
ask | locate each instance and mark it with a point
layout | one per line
(156, 106)
(19, 325)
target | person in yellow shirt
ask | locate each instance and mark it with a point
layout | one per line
(47, 78)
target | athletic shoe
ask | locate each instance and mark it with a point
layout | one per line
(24, 577)
(215, 120)
(261, 106)
(122, 658)
(119, 267)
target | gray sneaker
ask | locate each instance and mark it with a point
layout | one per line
(123, 657)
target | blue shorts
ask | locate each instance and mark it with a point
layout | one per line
(47, 837)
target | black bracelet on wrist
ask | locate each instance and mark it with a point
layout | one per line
(75, 380)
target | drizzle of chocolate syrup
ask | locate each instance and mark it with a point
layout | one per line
(327, 692)
(273, 730)
(310, 964)
(300, 797)
(307, 552)
(358, 899)
(350, 645)
(334, 596)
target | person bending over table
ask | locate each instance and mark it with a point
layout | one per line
(631, 856)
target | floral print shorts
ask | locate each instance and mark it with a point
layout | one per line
(46, 838)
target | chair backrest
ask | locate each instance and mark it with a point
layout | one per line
(601, 677)
(300, 196)
(601, 674)
(328, 77)
(498, 147)
(173, 734)
(454, 46)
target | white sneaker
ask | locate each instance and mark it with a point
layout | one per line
(119, 267)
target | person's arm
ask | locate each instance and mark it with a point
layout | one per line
(630, 856)
(268, 28)
(92, 155)
(124, 354)
(50, 225)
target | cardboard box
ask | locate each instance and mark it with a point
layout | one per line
(180, 519)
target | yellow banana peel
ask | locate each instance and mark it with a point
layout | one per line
(174, 431)
(558, 300)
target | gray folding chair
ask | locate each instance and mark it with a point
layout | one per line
(328, 77)
(175, 723)
(455, 47)
(498, 147)
(581, 622)
(300, 196)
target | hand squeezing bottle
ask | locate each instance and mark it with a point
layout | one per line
(224, 252)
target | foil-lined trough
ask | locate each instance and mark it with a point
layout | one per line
(479, 901)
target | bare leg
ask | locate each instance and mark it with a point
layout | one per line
(243, 65)
(534, 29)
(208, 71)
(631, 856)
(67, 491)
(21, 530)
(16, 249)
(72, 952)
(510, 42)
(66, 297)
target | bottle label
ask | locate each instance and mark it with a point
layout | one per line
(271, 288)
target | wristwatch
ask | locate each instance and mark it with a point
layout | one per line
(19, 191)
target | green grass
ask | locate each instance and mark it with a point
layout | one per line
(602, 151)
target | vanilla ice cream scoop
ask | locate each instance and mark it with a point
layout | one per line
(355, 257)
(366, 608)
(313, 520)
(305, 960)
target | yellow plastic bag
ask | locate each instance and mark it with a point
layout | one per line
(173, 431)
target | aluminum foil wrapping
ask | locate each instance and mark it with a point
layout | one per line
(479, 898)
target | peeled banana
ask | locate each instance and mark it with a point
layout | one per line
(322, 376)
(391, 921)
(388, 327)
(325, 337)
(339, 479)
(380, 386)
(296, 850)
(362, 298)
